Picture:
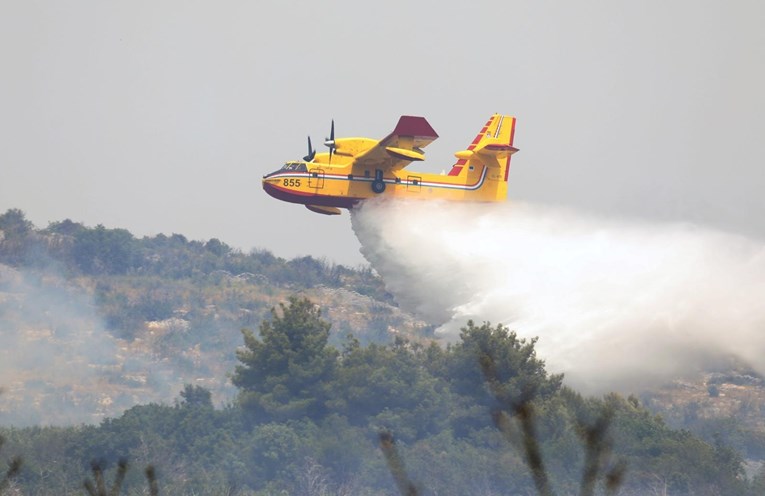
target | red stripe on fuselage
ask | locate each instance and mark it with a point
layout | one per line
(292, 196)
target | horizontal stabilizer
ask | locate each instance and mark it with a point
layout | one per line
(319, 209)
(498, 148)
(488, 149)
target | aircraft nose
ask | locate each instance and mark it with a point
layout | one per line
(269, 188)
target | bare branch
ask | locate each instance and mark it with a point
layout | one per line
(122, 467)
(13, 470)
(151, 476)
(396, 466)
(14, 467)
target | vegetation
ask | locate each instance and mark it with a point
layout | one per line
(285, 373)
(14, 466)
(313, 416)
(142, 317)
(98, 250)
(311, 420)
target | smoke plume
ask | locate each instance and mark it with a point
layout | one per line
(616, 304)
(58, 364)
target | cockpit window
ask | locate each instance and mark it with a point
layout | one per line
(295, 166)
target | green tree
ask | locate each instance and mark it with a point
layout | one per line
(66, 227)
(105, 251)
(758, 482)
(497, 355)
(286, 373)
(14, 223)
(15, 231)
(390, 387)
(490, 368)
(217, 247)
(196, 397)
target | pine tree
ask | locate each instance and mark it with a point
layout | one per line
(285, 372)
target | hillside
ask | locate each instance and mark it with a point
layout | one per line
(94, 321)
(100, 328)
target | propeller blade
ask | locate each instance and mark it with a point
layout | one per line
(311, 152)
(330, 142)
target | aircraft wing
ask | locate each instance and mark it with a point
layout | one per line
(401, 147)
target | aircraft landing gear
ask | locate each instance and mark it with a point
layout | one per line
(378, 185)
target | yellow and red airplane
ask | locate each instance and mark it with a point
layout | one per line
(356, 169)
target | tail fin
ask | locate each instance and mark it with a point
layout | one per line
(493, 147)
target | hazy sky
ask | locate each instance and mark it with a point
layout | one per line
(162, 116)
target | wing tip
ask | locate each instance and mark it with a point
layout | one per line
(411, 125)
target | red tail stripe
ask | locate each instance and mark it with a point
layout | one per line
(457, 168)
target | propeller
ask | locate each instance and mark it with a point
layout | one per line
(311, 152)
(330, 142)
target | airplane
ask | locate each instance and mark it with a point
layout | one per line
(356, 169)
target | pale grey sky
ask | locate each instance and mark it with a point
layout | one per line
(162, 116)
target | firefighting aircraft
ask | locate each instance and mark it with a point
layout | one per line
(356, 169)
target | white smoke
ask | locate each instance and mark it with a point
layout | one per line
(616, 304)
(58, 363)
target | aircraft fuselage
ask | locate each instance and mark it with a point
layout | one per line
(357, 169)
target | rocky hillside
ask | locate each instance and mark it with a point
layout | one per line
(94, 321)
